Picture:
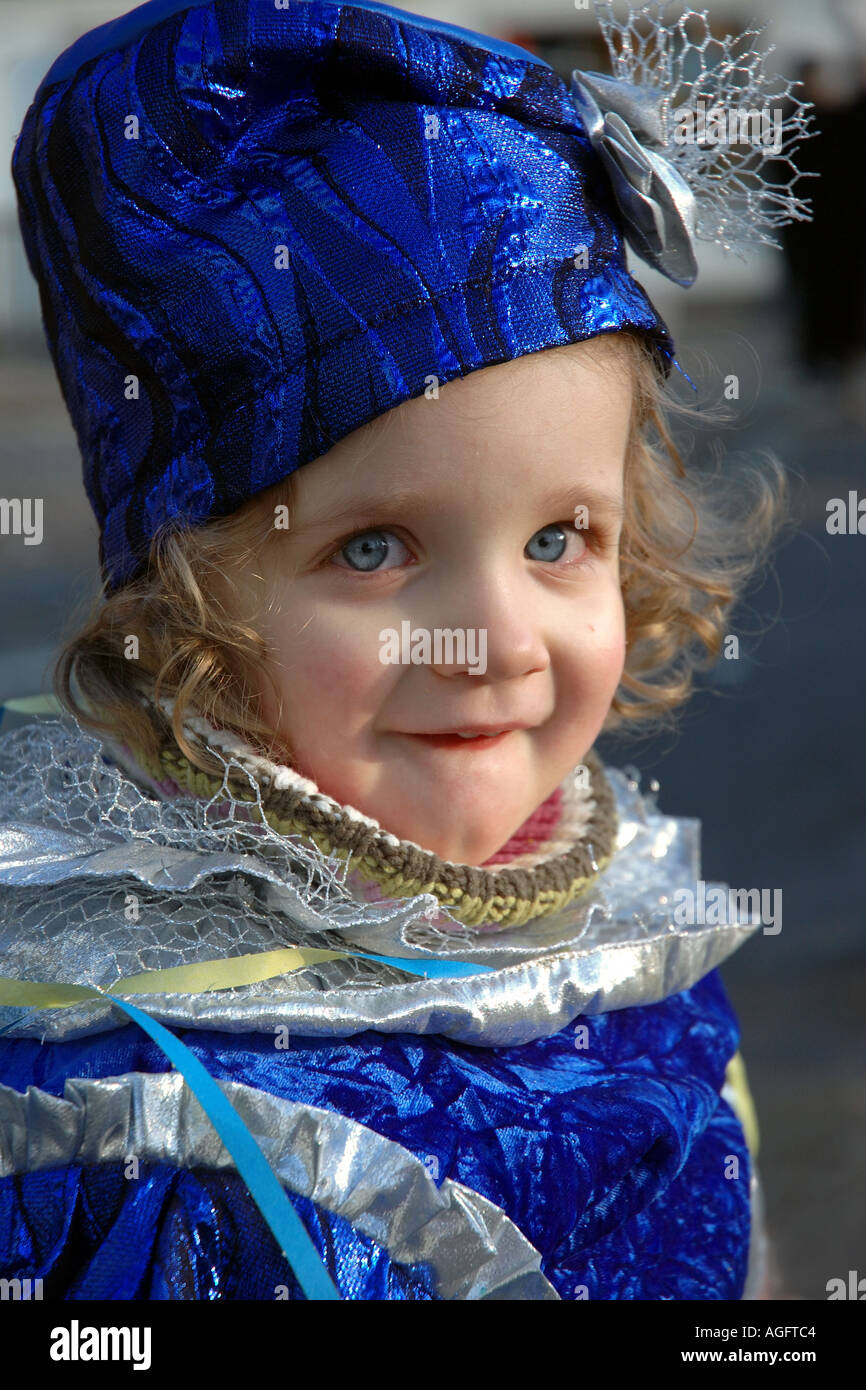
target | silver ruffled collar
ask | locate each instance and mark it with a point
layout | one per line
(100, 880)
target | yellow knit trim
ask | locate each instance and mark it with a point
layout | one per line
(472, 910)
(508, 910)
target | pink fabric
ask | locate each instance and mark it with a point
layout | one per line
(534, 833)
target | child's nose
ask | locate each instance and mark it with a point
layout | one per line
(497, 634)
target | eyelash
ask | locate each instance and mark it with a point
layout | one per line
(596, 540)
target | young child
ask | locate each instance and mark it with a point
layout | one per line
(373, 420)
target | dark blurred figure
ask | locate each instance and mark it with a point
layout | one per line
(827, 257)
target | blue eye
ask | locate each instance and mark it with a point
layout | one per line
(550, 543)
(368, 550)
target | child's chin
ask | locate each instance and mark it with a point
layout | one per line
(460, 848)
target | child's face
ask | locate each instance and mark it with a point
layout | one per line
(486, 543)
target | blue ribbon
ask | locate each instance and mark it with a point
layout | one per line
(265, 1188)
(433, 969)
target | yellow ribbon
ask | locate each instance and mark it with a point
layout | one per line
(226, 973)
(33, 704)
(744, 1106)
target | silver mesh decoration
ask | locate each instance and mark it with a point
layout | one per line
(87, 853)
(673, 58)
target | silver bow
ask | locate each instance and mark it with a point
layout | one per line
(624, 123)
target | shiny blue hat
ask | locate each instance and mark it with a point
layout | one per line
(258, 224)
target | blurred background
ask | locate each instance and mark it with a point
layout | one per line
(770, 752)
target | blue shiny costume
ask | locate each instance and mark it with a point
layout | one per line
(610, 1158)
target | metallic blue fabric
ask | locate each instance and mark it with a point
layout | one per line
(611, 1158)
(438, 204)
(172, 1234)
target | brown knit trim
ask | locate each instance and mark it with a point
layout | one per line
(507, 896)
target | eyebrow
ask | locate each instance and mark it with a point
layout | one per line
(361, 510)
(594, 498)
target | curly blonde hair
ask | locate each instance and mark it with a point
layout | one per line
(690, 544)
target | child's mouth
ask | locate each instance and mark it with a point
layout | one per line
(463, 740)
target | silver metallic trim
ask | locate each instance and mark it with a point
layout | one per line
(343, 1166)
(534, 999)
(758, 1268)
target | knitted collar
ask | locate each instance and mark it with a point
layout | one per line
(554, 856)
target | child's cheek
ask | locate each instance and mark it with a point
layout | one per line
(612, 655)
(605, 642)
(340, 675)
(334, 661)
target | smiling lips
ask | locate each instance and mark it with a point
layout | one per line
(467, 738)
